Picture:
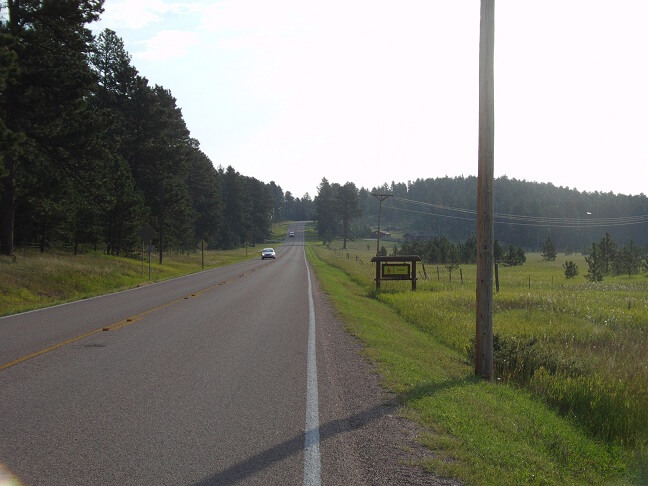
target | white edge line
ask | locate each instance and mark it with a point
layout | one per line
(312, 462)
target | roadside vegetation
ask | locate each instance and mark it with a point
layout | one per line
(33, 279)
(569, 405)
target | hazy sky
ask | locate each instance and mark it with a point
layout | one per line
(371, 91)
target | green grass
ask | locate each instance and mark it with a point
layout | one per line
(572, 357)
(33, 280)
(279, 231)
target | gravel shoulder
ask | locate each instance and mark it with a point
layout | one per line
(364, 441)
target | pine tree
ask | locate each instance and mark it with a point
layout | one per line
(627, 260)
(596, 266)
(278, 202)
(325, 215)
(607, 249)
(571, 269)
(203, 184)
(45, 90)
(159, 155)
(237, 206)
(346, 207)
(260, 210)
(549, 250)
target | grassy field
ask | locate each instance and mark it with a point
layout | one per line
(570, 358)
(33, 280)
(570, 405)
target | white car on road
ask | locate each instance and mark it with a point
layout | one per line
(268, 253)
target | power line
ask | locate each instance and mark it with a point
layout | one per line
(521, 220)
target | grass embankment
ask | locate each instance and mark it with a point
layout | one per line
(33, 280)
(571, 406)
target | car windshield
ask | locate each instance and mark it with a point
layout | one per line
(267, 249)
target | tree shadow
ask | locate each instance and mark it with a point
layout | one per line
(427, 389)
(258, 462)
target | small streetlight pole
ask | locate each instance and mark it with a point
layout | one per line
(381, 198)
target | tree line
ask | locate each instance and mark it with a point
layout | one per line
(606, 257)
(441, 235)
(90, 151)
(544, 211)
(544, 203)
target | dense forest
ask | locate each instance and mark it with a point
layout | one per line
(526, 213)
(91, 152)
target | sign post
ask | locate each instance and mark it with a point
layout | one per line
(401, 267)
(202, 245)
(147, 233)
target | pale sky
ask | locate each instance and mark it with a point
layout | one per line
(373, 91)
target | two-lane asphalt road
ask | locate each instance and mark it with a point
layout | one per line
(206, 379)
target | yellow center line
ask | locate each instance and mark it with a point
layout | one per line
(47, 350)
(119, 324)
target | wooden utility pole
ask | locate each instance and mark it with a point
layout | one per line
(485, 227)
(381, 198)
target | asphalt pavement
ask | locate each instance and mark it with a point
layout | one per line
(202, 380)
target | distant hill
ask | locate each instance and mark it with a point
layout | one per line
(526, 212)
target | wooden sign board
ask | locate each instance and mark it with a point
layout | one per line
(396, 271)
(396, 267)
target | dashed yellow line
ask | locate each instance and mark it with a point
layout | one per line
(47, 350)
(119, 324)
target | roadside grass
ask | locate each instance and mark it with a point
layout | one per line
(577, 346)
(33, 280)
(279, 232)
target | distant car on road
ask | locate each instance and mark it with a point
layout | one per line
(291, 234)
(268, 253)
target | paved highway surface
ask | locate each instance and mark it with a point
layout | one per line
(206, 379)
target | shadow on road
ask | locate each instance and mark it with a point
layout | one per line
(252, 465)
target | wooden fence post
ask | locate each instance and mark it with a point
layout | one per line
(497, 277)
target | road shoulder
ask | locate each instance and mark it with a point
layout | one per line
(364, 441)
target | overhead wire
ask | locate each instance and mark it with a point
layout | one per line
(522, 220)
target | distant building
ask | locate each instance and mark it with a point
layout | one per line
(383, 234)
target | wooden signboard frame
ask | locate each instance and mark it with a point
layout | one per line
(402, 267)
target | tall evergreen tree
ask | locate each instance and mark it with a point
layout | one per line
(346, 207)
(9, 140)
(236, 209)
(203, 183)
(159, 160)
(260, 211)
(44, 97)
(325, 211)
(278, 202)
(303, 208)
(289, 206)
